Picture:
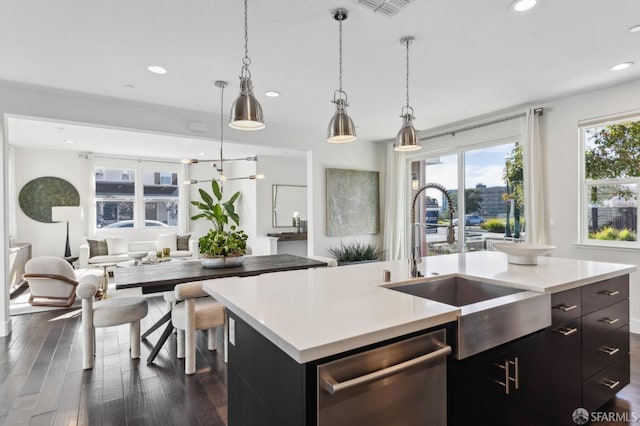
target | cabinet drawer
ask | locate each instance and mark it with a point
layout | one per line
(605, 384)
(600, 324)
(565, 306)
(604, 293)
(614, 347)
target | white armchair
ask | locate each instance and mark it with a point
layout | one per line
(53, 282)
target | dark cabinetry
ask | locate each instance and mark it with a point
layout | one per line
(582, 360)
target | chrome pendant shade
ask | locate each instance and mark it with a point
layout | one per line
(218, 164)
(407, 138)
(341, 128)
(246, 112)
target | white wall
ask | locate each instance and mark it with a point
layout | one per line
(344, 156)
(559, 129)
(291, 170)
(48, 239)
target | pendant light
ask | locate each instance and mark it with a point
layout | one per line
(218, 165)
(407, 138)
(246, 112)
(341, 128)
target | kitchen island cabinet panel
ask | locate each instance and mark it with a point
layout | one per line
(604, 293)
(603, 386)
(268, 387)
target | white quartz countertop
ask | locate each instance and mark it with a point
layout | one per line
(314, 313)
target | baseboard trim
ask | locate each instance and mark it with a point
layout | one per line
(5, 329)
(634, 326)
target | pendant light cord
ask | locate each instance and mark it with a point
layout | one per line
(246, 61)
(340, 55)
(221, 171)
(408, 42)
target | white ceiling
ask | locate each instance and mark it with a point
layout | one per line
(471, 57)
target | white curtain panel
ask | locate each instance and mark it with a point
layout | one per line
(533, 157)
(395, 208)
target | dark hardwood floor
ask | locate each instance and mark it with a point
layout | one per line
(42, 381)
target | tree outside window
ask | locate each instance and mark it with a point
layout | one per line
(612, 178)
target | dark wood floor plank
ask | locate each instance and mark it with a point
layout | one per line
(157, 400)
(41, 365)
(68, 407)
(52, 385)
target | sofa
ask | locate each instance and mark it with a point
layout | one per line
(113, 249)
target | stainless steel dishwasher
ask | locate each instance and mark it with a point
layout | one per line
(403, 384)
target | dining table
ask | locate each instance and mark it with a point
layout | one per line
(156, 278)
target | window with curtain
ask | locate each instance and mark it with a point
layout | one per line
(486, 187)
(610, 184)
(121, 191)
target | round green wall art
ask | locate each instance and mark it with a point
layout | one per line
(38, 196)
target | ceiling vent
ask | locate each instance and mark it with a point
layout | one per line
(385, 7)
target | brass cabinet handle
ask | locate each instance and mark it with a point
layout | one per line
(610, 320)
(564, 307)
(565, 331)
(609, 350)
(610, 292)
(611, 384)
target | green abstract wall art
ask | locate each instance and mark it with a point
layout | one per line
(38, 196)
(353, 202)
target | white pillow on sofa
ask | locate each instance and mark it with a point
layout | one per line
(117, 245)
(168, 240)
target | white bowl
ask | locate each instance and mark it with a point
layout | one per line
(523, 253)
(137, 254)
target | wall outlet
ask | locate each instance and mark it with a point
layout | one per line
(232, 331)
(552, 223)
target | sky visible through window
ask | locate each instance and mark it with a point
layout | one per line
(482, 166)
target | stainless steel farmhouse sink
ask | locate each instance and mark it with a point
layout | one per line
(491, 314)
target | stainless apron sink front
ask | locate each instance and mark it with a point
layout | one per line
(491, 314)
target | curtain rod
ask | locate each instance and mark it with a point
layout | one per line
(539, 111)
(139, 160)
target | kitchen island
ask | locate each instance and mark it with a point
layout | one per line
(307, 317)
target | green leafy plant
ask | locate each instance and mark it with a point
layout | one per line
(217, 212)
(494, 225)
(222, 243)
(356, 252)
(218, 241)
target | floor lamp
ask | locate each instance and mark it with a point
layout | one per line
(67, 214)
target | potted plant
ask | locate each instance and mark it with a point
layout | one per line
(220, 247)
(356, 253)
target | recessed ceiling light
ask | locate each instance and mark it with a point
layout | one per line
(523, 5)
(272, 94)
(128, 86)
(69, 141)
(634, 29)
(156, 69)
(202, 154)
(620, 67)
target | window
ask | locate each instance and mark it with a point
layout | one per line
(492, 197)
(115, 197)
(136, 197)
(611, 179)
